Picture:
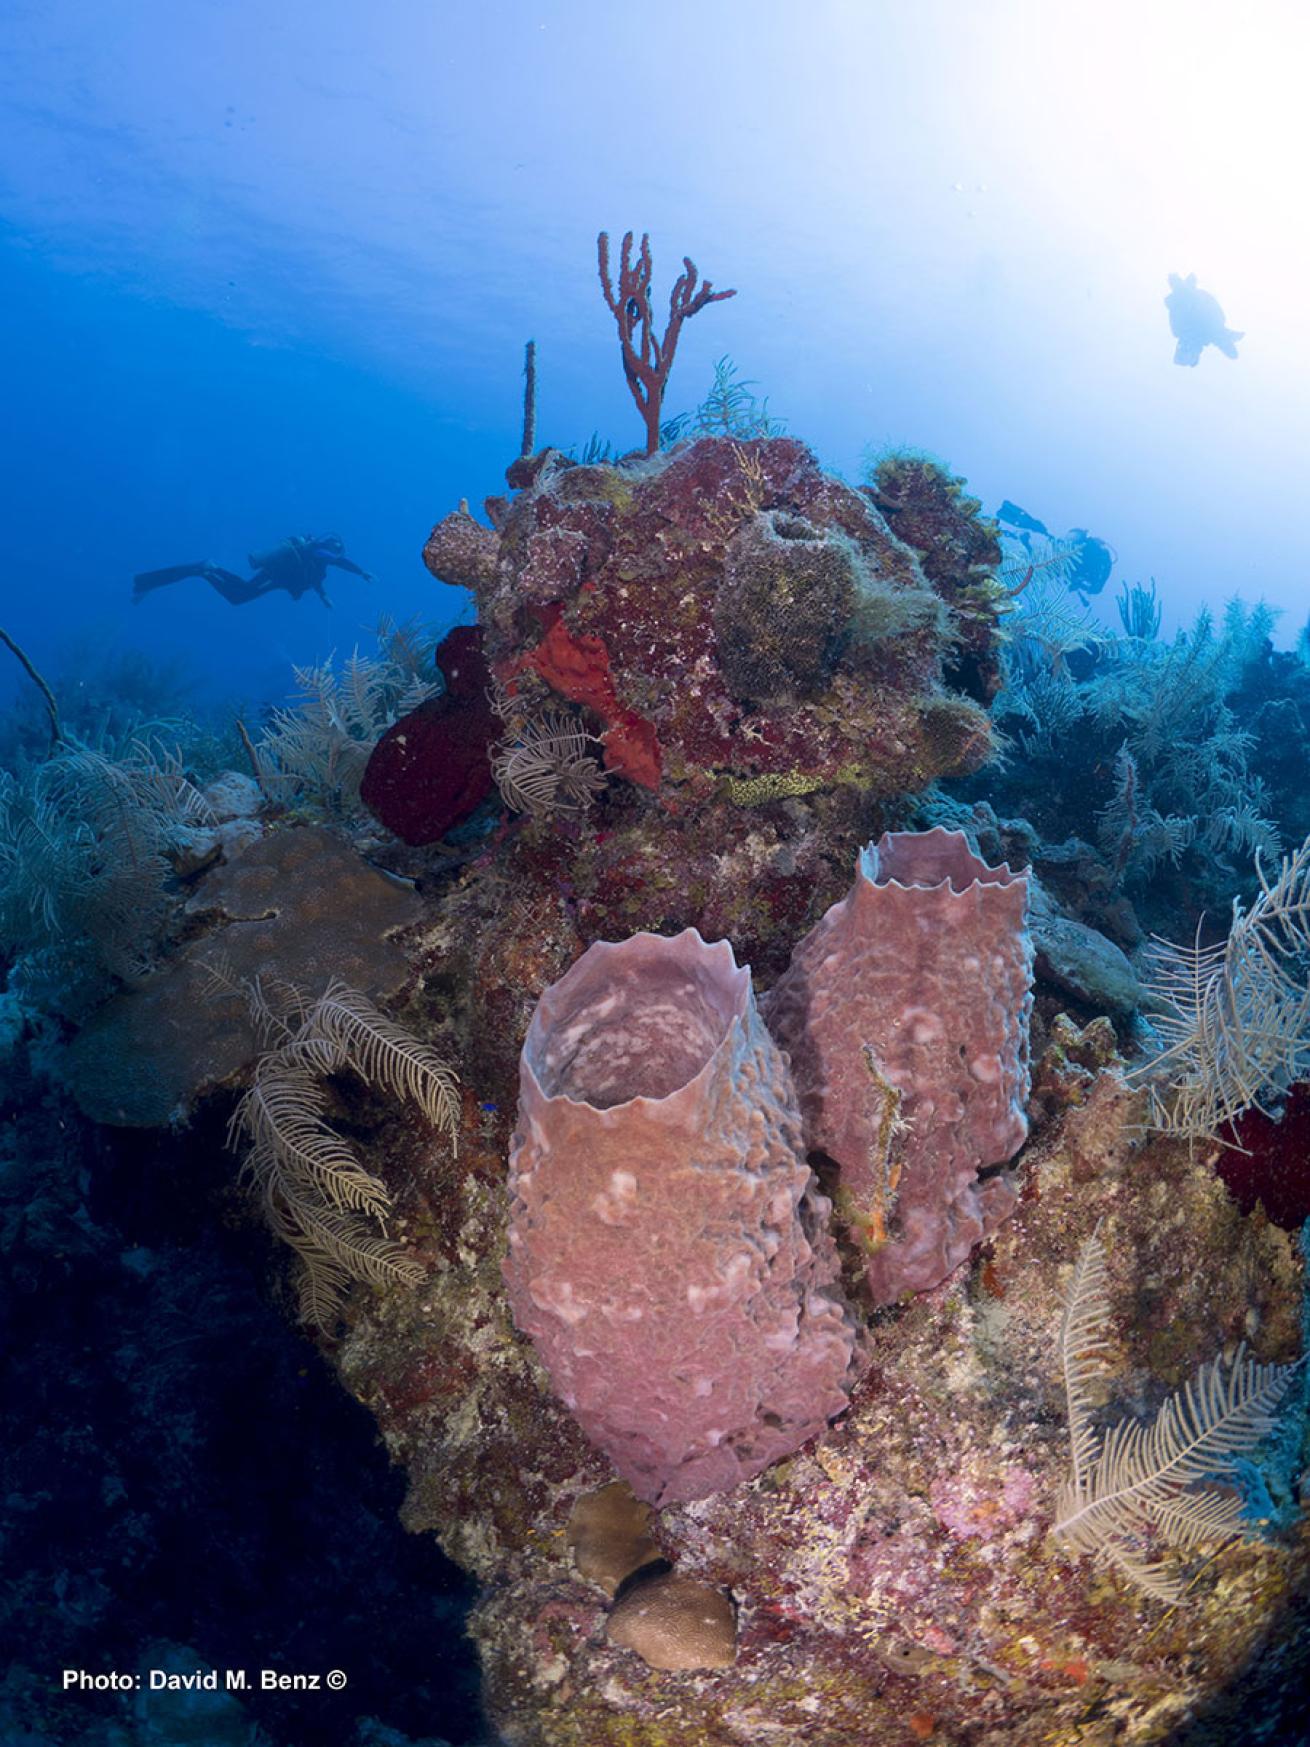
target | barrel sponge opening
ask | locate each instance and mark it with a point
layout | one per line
(633, 1021)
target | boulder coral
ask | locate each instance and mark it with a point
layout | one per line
(905, 1014)
(300, 907)
(675, 1623)
(668, 1250)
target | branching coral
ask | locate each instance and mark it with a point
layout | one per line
(1139, 610)
(646, 359)
(34, 674)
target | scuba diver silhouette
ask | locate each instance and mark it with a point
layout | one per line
(298, 565)
(1197, 321)
(1088, 560)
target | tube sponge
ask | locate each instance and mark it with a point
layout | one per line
(669, 1249)
(905, 1014)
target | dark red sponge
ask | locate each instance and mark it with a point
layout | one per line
(432, 768)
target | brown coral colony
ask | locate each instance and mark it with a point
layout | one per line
(646, 359)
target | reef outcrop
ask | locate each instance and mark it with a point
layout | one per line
(760, 657)
(839, 1534)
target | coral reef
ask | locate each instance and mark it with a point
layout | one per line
(543, 765)
(823, 1534)
(926, 506)
(177, 1466)
(1269, 1166)
(647, 596)
(900, 1563)
(668, 1250)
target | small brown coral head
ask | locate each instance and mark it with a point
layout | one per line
(609, 1532)
(675, 1623)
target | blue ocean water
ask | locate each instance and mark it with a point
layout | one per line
(272, 272)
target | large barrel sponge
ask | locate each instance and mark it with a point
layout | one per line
(669, 1252)
(905, 1014)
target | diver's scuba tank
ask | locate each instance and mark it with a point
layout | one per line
(278, 556)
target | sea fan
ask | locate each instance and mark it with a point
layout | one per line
(731, 408)
(1136, 834)
(318, 748)
(84, 841)
(1047, 621)
(1143, 1492)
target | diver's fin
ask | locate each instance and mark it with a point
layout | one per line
(147, 580)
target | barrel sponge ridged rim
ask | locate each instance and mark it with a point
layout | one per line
(911, 859)
(604, 1014)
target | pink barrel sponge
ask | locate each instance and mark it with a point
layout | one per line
(905, 1014)
(669, 1249)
